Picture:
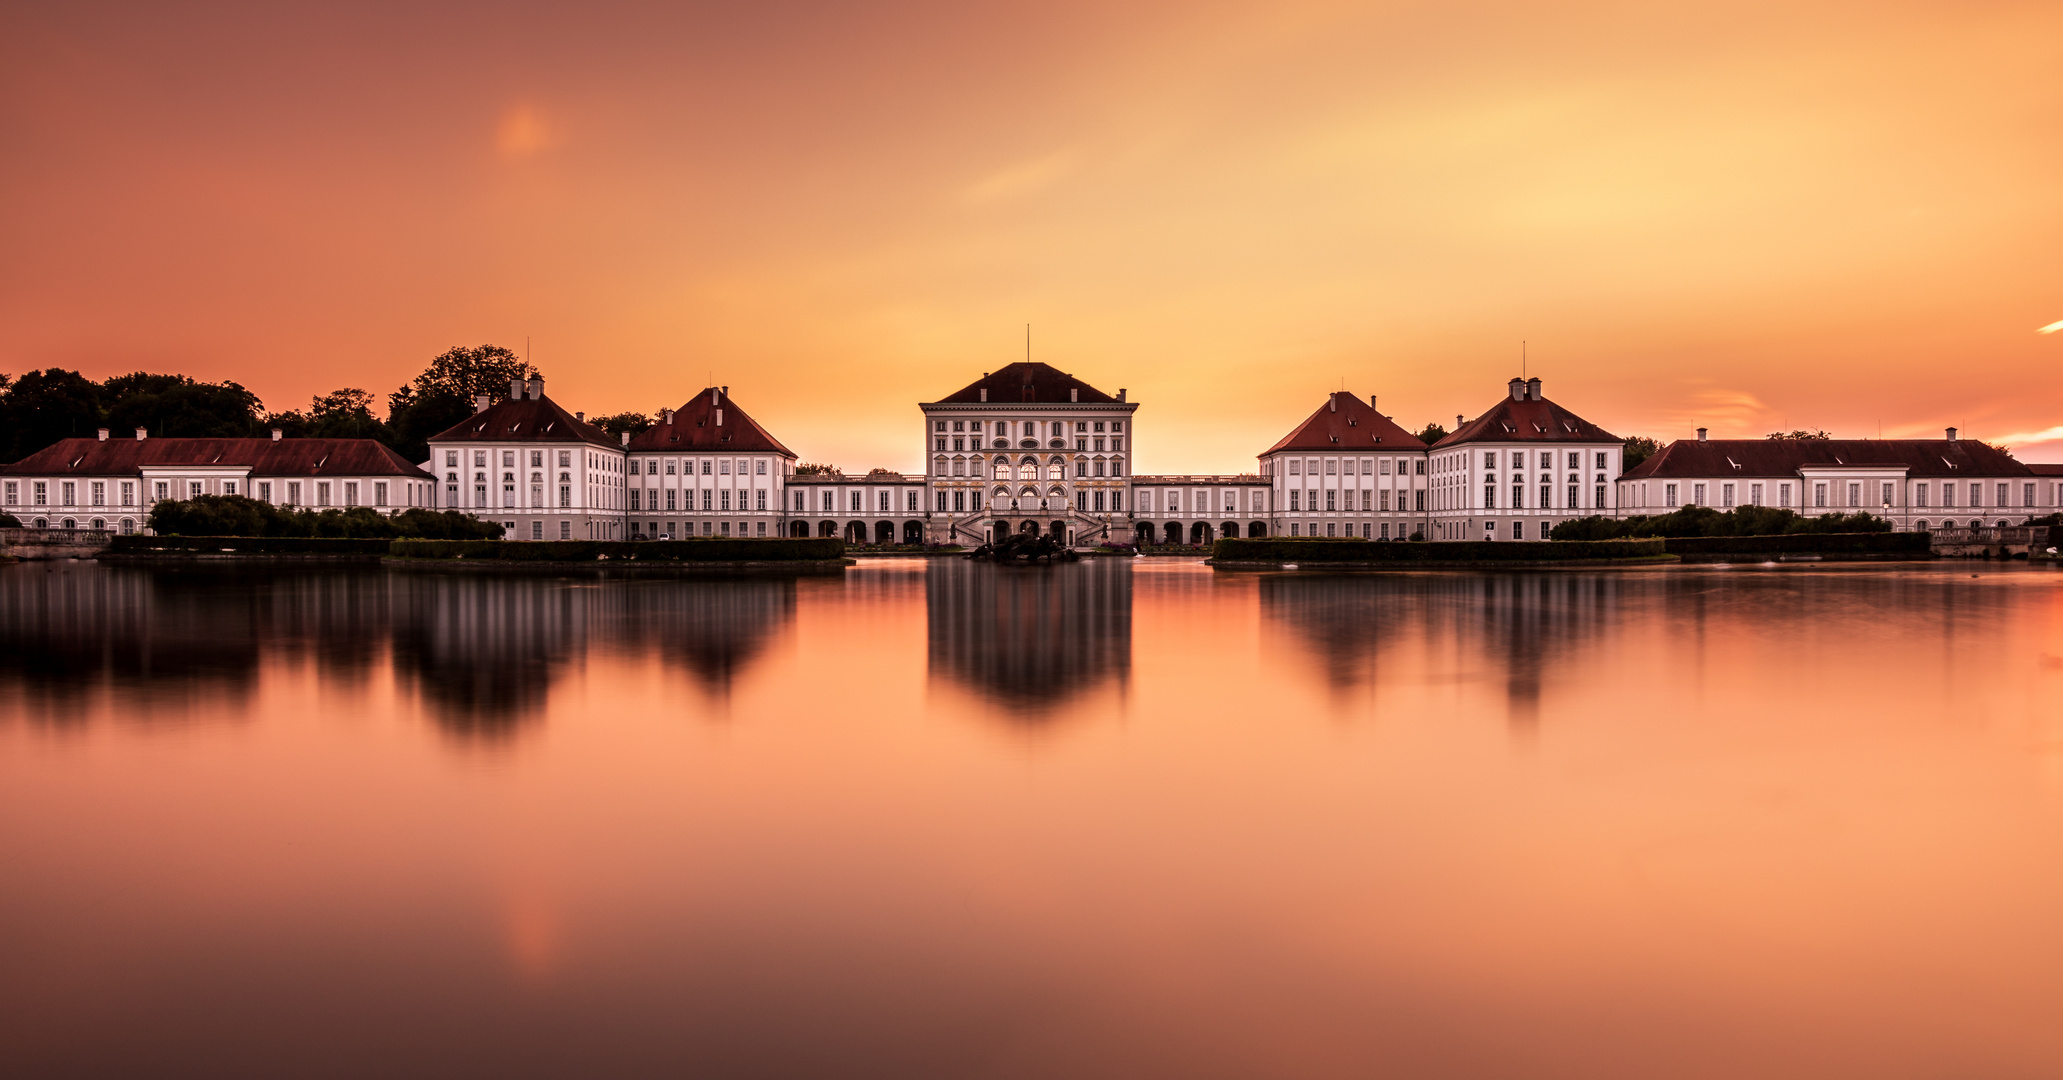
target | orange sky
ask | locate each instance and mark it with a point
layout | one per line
(1737, 215)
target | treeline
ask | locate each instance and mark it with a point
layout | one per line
(235, 515)
(1705, 521)
(43, 406)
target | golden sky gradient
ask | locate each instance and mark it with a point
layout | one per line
(1743, 216)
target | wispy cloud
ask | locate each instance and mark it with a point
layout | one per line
(2051, 328)
(1021, 179)
(2023, 438)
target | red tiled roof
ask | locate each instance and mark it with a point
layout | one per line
(263, 457)
(1028, 381)
(1784, 457)
(695, 430)
(1347, 423)
(538, 419)
(2042, 469)
(1532, 420)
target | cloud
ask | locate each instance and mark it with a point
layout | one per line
(2051, 328)
(522, 132)
(1021, 179)
(2023, 438)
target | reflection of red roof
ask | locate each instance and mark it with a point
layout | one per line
(538, 419)
(1532, 420)
(1347, 423)
(263, 457)
(695, 430)
(1784, 457)
(1028, 381)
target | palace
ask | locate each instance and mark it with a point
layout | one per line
(1032, 449)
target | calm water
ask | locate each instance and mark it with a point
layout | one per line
(1127, 819)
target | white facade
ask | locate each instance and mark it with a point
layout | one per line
(1196, 510)
(1520, 469)
(542, 473)
(113, 484)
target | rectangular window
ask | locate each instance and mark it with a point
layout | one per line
(1366, 498)
(2026, 495)
(322, 493)
(1697, 495)
(853, 500)
(2004, 499)
(1855, 495)
(1385, 506)
(673, 498)
(1920, 494)
(565, 497)
(1783, 495)
(1819, 494)
(1330, 498)
(1887, 492)
(1755, 494)
(14, 493)
(759, 500)
(565, 527)
(294, 493)
(351, 494)
(1489, 496)
(725, 499)
(759, 467)
(634, 496)
(379, 493)
(1726, 495)
(479, 459)
(161, 488)
(1668, 494)
(1948, 494)
(1293, 496)
(98, 493)
(264, 492)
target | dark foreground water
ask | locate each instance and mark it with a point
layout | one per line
(1121, 819)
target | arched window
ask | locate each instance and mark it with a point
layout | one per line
(1055, 472)
(1027, 472)
(1002, 470)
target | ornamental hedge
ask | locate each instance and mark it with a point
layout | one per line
(1869, 543)
(643, 551)
(1371, 551)
(248, 545)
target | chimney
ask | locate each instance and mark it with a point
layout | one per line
(277, 434)
(479, 403)
(715, 397)
(719, 418)
(1533, 389)
(1701, 435)
(1332, 403)
(1951, 434)
(626, 438)
(534, 389)
(984, 393)
(1073, 394)
(580, 416)
(1457, 421)
(1518, 389)
(668, 414)
(1371, 401)
(142, 434)
(515, 389)
(103, 434)
(727, 391)
(1121, 393)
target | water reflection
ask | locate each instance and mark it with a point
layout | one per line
(481, 651)
(1030, 639)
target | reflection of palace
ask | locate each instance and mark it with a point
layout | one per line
(482, 651)
(1516, 624)
(1030, 639)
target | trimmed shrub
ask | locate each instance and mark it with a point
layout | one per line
(642, 551)
(251, 545)
(1705, 521)
(1870, 543)
(1288, 549)
(236, 515)
(9, 521)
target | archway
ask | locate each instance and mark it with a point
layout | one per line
(70, 524)
(1174, 534)
(1058, 530)
(827, 529)
(798, 528)
(913, 532)
(1255, 528)
(1029, 528)
(1143, 533)
(855, 532)
(1199, 534)
(1228, 530)
(884, 532)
